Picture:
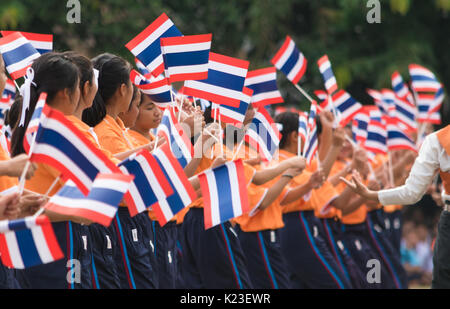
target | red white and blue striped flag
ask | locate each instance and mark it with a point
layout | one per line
(346, 105)
(376, 137)
(290, 60)
(302, 126)
(186, 57)
(263, 134)
(396, 138)
(184, 194)
(149, 185)
(144, 71)
(359, 127)
(327, 74)
(226, 78)
(33, 125)
(224, 191)
(99, 206)
(424, 102)
(406, 113)
(400, 88)
(28, 242)
(178, 141)
(158, 89)
(236, 115)
(146, 45)
(437, 101)
(17, 53)
(422, 79)
(312, 143)
(42, 42)
(9, 92)
(264, 85)
(60, 144)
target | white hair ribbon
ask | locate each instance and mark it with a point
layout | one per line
(25, 93)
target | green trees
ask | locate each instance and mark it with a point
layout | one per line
(362, 54)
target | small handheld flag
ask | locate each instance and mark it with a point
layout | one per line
(17, 53)
(327, 74)
(99, 206)
(42, 42)
(186, 57)
(236, 115)
(346, 105)
(224, 191)
(264, 85)
(28, 242)
(146, 45)
(422, 79)
(290, 61)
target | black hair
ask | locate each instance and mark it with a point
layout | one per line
(289, 121)
(13, 113)
(52, 72)
(84, 66)
(113, 72)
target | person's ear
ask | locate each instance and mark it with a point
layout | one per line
(86, 88)
(123, 90)
(293, 136)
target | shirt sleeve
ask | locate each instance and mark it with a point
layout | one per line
(419, 178)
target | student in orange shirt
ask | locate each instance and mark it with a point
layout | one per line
(99, 241)
(310, 260)
(114, 95)
(59, 77)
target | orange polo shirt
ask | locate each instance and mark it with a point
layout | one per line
(318, 199)
(43, 178)
(137, 139)
(5, 181)
(111, 135)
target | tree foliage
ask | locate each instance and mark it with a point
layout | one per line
(362, 55)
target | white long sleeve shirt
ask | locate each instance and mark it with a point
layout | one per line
(431, 158)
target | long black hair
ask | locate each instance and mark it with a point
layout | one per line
(113, 72)
(289, 121)
(84, 66)
(52, 72)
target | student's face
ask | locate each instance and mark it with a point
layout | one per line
(129, 117)
(149, 114)
(2, 75)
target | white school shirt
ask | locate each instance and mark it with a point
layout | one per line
(432, 157)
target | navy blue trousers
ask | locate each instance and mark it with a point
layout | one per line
(213, 258)
(308, 257)
(71, 272)
(133, 257)
(376, 230)
(333, 236)
(165, 239)
(268, 268)
(361, 248)
(180, 281)
(394, 228)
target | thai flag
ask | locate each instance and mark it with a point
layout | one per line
(146, 45)
(149, 185)
(33, 125)
(422, 79)
(302, 126)
(400, 88)
(376, 137)
(346, 105)
(263, 134)
(179, 142)
(290, 61)
(437, 101)
(327, 74)
(17, 53)
(159, 90)
(141, 67)
(42, 42)
(99, 206)
(325, 103)
(186, 57)
(226, 77)
(359, 127)
(424, 102)
(28, 242)
(184, 193)
(388, 102)
(396, 138)
(264, 85)
(376, 95)
(9, 91)
(236, 115)
(224, 193)
(406, 113)
(5, 103)
(312, 142)
(61, 145)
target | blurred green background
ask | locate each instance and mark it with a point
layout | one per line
(362, 55)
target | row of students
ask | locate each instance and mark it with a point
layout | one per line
(307, 230)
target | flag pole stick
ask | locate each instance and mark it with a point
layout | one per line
(391, 171)
(238, 148)
(303, 92)
(221, 135)
(156, 142)
(52, 186)
(15, 83)
(22, 177)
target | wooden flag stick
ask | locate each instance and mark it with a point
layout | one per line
(22, 177)
(52, 186)
(15, 83)
(304, 93)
